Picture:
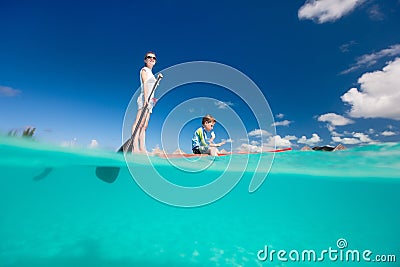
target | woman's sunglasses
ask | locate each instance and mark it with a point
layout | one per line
(148, 57)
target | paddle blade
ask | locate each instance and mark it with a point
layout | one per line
(43, 174)
(127, 146)
(107, 174)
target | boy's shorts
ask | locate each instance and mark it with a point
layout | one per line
(201, 150)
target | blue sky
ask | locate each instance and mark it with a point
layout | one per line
(328, 69)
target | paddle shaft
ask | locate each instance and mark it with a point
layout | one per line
(142, 114)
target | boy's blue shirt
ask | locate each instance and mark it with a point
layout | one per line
(201, 137)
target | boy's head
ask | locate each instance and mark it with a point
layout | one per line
(208, 119)
(208, 122)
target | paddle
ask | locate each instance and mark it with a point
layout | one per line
(43, 174)
(128, 144)
(109, 174)
(106, 174)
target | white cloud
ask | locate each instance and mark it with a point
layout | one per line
(8, 91)
(254, 143)
(270, 143)
(259, 133)
(379, 94)
(375, 13)
(356, 138)
(223, 105)
(334, 119)
(346, 47)
(371, 59)
(290, 137)
(280, 116)
(334, 133)
(311, 141)
(70, 143)
(346, 140)
(94, 144)
(363, 137)
(388, 133)
(282, 123)
(278, 141)
(249, 148)
(327, 10)
(331, 128)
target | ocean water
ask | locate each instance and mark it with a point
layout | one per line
(54, 211)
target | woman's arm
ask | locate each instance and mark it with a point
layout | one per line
(143, 76)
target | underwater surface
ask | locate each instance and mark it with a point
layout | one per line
(314, 209)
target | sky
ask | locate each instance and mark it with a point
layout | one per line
(328, 69)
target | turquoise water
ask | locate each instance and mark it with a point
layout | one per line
(310, 200)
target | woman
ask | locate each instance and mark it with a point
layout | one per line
(147, 82)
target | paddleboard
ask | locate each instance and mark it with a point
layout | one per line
(219, 155)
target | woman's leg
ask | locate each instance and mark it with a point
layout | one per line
(135, 147)
(142, 133)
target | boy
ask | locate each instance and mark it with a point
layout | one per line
(202, 141)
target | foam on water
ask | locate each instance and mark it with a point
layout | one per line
(308, 201)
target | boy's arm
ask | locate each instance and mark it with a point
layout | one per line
(212, 139)
(195, 140)
(198, 139)
(218, 144)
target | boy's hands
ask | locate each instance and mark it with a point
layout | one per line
(222, 143)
